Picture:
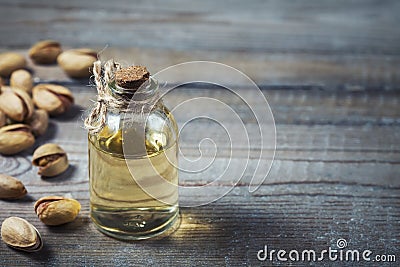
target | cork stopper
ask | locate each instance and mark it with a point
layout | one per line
(132, 77)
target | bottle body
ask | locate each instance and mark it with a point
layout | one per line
(120, 206)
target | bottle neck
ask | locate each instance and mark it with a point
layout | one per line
(146, 91)
(139, 100)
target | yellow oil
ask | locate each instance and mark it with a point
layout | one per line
(119, 206)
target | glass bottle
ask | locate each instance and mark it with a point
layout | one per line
(132, 151)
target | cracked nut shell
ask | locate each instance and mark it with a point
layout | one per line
(16, 104)
(51, 159)
(20, 234)
(11, 188)
(55, 99)
(55, 210)
(45, 52)
(15, 138)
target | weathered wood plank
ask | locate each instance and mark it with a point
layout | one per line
(298, 107)
(271, 70)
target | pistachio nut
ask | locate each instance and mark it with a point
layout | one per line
(51, 159)
(10, 62)
(55, 210)
(39, 122)
(55, 99)
(77, 63)
(15, 138)
(45, 52)
(11, 188)
(21, 79)
(3, 119)
(20, 234)
(5, 88)
(16, 104)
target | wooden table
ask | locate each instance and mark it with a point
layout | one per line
(330, 72)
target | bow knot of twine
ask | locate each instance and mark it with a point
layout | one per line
(103, 76)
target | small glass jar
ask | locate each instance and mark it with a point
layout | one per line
(119, 157)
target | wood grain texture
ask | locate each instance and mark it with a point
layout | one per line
(356, 27)
(279, 70)
(330, 71)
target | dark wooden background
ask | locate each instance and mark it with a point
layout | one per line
(330, 72)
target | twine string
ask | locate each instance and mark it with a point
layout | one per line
(106, 101)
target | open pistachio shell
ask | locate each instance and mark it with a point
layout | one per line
(15, 138)
(55, 99)
(20, 234)
(45, 52)
(16, 104)
(51, 159)
(55, 210)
